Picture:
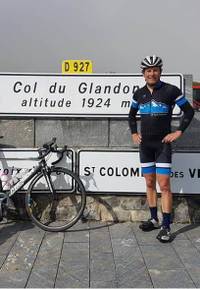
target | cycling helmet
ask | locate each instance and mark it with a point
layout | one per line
(151, 61)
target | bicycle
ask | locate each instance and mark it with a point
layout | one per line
(47, 207)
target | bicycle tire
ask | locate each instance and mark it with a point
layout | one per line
(37, 199)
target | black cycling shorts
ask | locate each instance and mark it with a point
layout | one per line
(155, 156)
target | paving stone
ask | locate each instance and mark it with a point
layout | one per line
(194, 233)
(17, 267)
(103, 284)
(9, 233)
(139, 278)
(189, 256)
(124, 244)
(131, 270)
(197, 244)
(182, 243)
(78, 233)
(122, 231)
(102, 267)
(98, 255)
(73, 271)
(12, 228)
(44, 271)
(171, 278)
(194, 273)
(100, 241)
(7, 240)
(5, 248)
(179, 231)
(129, 262)
(145, 238)
(161, 257)
(122, 247)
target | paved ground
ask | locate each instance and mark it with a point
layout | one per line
(98, 255)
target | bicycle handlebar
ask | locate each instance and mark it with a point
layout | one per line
(51, 146)
(61, 153)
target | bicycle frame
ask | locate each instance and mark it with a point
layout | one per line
(41, 167)
(45, 176)
(24, 180)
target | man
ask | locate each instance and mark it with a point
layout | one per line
(155, 102)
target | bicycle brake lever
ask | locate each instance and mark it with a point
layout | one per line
(55, 148)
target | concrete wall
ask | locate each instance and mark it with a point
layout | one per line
(110, 134)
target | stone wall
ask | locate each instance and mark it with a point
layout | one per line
(109, 134)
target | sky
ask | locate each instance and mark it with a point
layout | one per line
(37, 35)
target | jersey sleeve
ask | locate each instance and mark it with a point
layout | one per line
(188, 113)
(177, 96)
(132, 114)
(186, 108)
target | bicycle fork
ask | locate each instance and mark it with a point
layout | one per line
(46, 172)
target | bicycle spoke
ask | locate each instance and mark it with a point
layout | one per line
(59, 210)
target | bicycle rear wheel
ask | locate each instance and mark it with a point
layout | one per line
(60, 210)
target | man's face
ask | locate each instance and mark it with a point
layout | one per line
(152, 75)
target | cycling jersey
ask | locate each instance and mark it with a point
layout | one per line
(156, 113)
(156, 109)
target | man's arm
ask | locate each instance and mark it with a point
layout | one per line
(132, 119)
(188, 113)
(136, 137)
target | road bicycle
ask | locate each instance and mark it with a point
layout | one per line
(55, 198)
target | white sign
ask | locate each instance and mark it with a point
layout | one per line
(42, 95)
(120, 172)
(15, 163)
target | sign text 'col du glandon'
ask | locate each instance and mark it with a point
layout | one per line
(92, 95)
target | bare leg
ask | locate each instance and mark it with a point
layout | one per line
(151, 189)
(166, 202)
(166, 195)
(152, 202)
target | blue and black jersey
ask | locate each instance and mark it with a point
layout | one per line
(156, 109)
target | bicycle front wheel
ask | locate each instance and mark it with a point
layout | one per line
(58, 210)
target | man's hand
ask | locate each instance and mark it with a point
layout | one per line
(172, 136)
(136, 137)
